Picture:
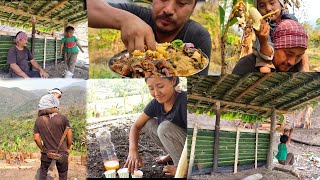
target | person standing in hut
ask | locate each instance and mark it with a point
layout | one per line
(70, 45)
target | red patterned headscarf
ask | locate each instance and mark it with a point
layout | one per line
(20, 35)
(289, 34)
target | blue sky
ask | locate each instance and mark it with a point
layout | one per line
(309, 11)
(33, 84)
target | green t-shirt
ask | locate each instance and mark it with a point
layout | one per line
(282, 152)
(70, 44)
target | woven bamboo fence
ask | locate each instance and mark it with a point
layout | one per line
(46, 49)
(246, 154)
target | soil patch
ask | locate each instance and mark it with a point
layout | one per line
(27, 171)
(120, 137)
(56, 71)
(266, 175)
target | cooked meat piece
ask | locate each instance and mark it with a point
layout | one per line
(126, 70)
(148, 65)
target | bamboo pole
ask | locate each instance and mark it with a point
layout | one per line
(183, 164)
(251, 87)
(235, 169)
(56, 52)
(33, 21)
(193, 146)
(44, 52)
(56, 7)
(256, 152)
(234, 104)
(216, 139)
(272, 136)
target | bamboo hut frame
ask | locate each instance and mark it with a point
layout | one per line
(50, 15)
(255, 93)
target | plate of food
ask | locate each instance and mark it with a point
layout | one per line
(169, 59)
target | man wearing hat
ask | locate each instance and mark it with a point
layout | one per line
(19, 57)
(49, 129)
(290, 41)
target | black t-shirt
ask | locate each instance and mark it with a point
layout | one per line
(192, 32)
(177, 115)
(20, 57)
(247, 64)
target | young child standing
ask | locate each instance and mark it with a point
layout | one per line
(264, 48)
(283, 156)
(70, 43)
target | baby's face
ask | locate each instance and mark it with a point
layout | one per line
(267, 6)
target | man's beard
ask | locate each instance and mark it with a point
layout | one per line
(163, 31)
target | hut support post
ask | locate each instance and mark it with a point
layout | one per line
(44, 52)
(272, 136)
(216, 138)
(193, 146)
(256, 152)
(235, 170)
(183, 164)
(33, 21)
(56, 51)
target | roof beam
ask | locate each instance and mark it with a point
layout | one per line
(72, 9)
(31, 5)
(236, 85)
(275, 88)
(75, 21)
(56, 7)
(300, 104)
(10, 16)
(45, 6)
(23, 13)
(200, 78)
(297, 99)
(19, 17)
(70, 15)
(211, 100)
(19, 5)
(266, 76)
(299, 86)
(215, 86)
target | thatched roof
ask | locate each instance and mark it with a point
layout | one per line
(50, 15)
(253, 94)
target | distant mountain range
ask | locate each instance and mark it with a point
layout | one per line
(15, 102)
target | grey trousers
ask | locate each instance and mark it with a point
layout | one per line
(70, 59)
(168, 136)
(289, 160)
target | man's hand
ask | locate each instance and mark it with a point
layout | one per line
(43, 74)
(264, 32)
(133, 161)
(136, 34)
(68, 152)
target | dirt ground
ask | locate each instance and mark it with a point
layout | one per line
(27, 171)
(120, 137)
(266, 175)
(307, 158)
(80, 72)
